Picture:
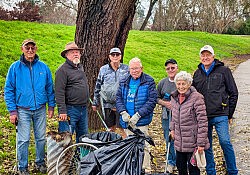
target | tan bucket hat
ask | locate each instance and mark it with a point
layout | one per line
(70, 46)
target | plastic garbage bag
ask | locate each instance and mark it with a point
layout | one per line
(100, 139)
(124, 157)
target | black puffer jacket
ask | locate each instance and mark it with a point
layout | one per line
(218, 88)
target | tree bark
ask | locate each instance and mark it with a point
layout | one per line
(100, 26)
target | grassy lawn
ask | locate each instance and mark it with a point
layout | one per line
(153, 48)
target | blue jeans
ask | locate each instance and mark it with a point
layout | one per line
(78, 121)
(172, 154)
(38, 118)
(222, 129)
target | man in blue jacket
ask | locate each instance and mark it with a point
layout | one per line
(28, 88)
(135, 102)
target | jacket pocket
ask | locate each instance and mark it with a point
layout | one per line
(215, 81)
(18, 98)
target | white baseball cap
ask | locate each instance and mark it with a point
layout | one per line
(115, 50)
(207, 48)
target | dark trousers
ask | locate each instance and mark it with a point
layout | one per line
(183, 164)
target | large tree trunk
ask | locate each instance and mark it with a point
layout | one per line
(101, 25)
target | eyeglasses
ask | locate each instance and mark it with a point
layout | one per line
(135, 68)
(172, 68)
(203, 55)
(115, 54)
(28, 48)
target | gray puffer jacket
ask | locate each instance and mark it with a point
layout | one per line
(108, 76)
(189, 121)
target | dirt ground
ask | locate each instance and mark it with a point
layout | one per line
(155, 130)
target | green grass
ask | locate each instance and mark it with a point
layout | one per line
(153, 48)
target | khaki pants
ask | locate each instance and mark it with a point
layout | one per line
(146, 160)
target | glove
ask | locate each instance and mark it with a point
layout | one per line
(125, 116)
(134, 119)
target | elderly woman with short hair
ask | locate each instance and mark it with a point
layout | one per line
(189, 123)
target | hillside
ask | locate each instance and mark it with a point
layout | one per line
(153, 48)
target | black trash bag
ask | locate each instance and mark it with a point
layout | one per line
(100, 139)
(124, 157)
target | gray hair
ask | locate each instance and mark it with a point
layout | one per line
(135, 60)
(183, 75)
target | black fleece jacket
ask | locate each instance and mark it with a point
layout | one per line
(71, 86)
(218, 88)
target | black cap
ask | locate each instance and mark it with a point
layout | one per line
(171, 60)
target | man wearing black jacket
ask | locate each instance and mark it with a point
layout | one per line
(72, 92)
(216, 83)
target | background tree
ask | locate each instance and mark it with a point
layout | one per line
(26, 11)
(149, 13)
(139, 16)
(59, 12)
(101, 25)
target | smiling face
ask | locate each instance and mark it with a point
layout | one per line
(135, 69)
(206, 59)
(182, 86)
(115, 57)
(29, 51)
(171, 70)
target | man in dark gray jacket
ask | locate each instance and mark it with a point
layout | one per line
(72, 92)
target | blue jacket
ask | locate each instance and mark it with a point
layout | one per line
(28, 85)
(145, 99)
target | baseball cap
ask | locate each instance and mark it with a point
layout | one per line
(27, 41)
(207, 48)
(171, 60)
(115, 50)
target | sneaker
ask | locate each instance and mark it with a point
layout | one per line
(148, 171)
(23, 172)
(41, 168)
(145, 171)
(170, 168)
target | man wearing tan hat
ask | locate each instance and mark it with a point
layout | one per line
(28, 88)
(72, 92)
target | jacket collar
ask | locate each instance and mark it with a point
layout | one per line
(142, 77)
(216, 64)
(72, 64)
(187, 94)
(23, 60)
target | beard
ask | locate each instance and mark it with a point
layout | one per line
(76, 61)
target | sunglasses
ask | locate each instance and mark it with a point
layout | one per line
(28, 48)
(172, 68)
(115, 54)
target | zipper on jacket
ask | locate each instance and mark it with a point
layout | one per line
(32, 83)
(180, 126)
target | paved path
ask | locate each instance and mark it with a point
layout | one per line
(240, 129)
